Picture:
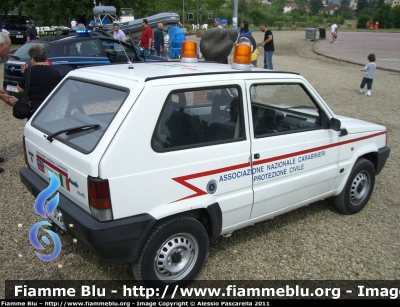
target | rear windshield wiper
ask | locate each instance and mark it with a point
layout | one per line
(15, 57)
(72, 130)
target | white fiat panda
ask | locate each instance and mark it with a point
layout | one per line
(157, 160)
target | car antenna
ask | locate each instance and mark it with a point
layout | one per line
(123, 49)
(129, 60)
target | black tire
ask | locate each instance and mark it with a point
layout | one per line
(173, 254)
(358, 188)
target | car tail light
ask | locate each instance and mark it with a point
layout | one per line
(99, 198)
(48, 63)
(25, 154)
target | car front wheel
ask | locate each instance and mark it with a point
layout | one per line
(358, 188)
(173, 254)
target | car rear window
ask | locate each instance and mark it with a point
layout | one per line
(76, 104)
(22, 52)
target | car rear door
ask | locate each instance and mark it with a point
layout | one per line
(80, 52)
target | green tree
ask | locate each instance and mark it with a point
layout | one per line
(8, 5)
(214, 5)
(396, 16)
(316, 6)
(380, 2)
(384, 16)
(276, 8)
(345, 10)
(362, 4)
(257, 16)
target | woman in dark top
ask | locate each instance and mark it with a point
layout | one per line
(43, 78)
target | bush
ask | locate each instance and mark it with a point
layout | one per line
(362, 21)
(301, 24)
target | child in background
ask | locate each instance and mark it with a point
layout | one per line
(369, 71)
(335, 37)
(254, 57)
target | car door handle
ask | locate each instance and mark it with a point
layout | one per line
(256, 156)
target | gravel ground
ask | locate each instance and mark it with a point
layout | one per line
(311, 243)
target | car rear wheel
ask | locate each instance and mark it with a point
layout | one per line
(358, 188)
(174, 253)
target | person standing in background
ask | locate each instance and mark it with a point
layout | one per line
(217, 22)
(333, 31)
(244, 29)
(146, 39)
(5, 44)
(268, 44)
(254, 57)
(73, 24)
(119, 35)
(43, 78)
(31, 32)
(91, 25)
(159, 40)
(224, 23)
(369, 71)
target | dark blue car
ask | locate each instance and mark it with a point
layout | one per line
(66, 53)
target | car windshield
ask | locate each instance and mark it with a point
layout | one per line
(79, 106)
(22, 52)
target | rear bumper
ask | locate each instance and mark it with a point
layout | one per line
(114, 241)
(383, 154)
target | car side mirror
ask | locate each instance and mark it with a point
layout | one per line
(335, 124)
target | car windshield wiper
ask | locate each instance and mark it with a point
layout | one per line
(15, 57)
(72, 130)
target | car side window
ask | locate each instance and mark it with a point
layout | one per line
(117, 52)
(84, 48)
(282, 108)
(199, 117)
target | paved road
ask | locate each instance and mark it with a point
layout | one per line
(354, 47)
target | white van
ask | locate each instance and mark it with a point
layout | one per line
(157, 160)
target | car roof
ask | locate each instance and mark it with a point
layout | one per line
(60, 39)
(143, 72)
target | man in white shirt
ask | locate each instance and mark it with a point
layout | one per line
(118, 34)
(333, 31)
(73, 24)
